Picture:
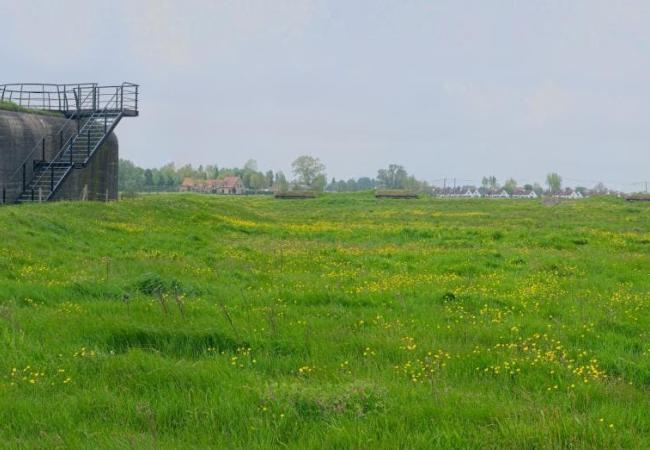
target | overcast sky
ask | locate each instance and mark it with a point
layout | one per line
(445, 88)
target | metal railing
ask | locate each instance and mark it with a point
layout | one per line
(68, 98)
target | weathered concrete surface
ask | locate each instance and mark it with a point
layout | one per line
(99, 178)
(21, 132)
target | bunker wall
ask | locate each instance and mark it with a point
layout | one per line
(21, 132)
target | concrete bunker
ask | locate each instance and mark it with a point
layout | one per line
(57, 142)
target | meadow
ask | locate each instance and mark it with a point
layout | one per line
(189, 321)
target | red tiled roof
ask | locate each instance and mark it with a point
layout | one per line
(229, 182)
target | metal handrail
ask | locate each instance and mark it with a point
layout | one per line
(65, 97)
(44, 96)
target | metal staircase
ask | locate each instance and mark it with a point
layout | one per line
(97, 111)
(76, 153)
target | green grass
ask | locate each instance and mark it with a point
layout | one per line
(343, 321)
(10, 106)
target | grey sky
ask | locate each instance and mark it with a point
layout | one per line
(446, 88)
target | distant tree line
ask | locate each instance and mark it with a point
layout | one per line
(169, 177)
(393, 177)
(308, 174)
(554, 185)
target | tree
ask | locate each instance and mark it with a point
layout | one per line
(510, 185)
(554, 182)
(257, 181)
(411, 183)
(269, 178)
(131, 177)
(308, 170)
(351, 185)
(319, 183)
(365, 184)
(148, 178)
(395, 177)
(600, 188)
(489, 185)
(251, 165)
(281, 184)
(212, 171)
(186, 171)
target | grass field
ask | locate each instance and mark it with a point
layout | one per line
(344, 321)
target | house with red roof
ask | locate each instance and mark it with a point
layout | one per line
(232, 185)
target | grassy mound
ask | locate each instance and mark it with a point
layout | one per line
(242, 322)
(395, 193)
(288, 195)
(10, 106)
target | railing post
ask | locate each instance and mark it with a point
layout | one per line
(105, 123)
(43, 150)
(24, 176)
(122, 98)
(4, 195)
(88, 144)
(77, 97)
(70, 149)
(52, 180)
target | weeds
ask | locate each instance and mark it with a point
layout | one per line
(350, 324)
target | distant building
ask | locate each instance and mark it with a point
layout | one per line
(498, 194)
(574, 195)
(470, 193)
(187, 185)
(523, 193)
(570, 194)
(459, 191)
(231, 185)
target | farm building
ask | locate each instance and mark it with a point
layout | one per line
(470, 193)
(458, 191)
(570, 194)
(498, 194)
(522, 193)
(230, 185)
(57, 142)
(188, 184)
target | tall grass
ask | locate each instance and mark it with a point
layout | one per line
(341, 321)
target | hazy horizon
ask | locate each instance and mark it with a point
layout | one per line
(446, 89)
